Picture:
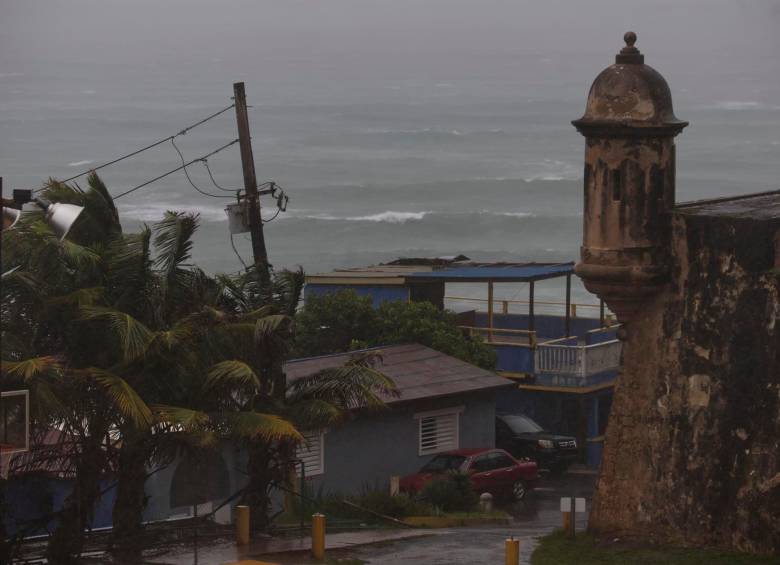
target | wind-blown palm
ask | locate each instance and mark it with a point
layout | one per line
(76, 384)
(138, 354)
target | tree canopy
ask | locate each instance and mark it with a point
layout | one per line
(344, 321)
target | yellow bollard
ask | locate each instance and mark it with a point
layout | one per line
(512, 551)
(318, 536)
(242, 525)
(566, 522)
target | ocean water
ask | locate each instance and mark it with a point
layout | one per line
(403, 128)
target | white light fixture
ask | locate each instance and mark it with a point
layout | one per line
(10, 217)
(59, 216)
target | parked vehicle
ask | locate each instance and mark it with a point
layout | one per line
(491, 470)
(522, 437)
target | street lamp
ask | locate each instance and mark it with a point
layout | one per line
(58, 215)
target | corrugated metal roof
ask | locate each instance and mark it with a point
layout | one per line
(419, 372)
(509, 272)
(456, 272)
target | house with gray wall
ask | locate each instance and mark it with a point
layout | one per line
(443, 404)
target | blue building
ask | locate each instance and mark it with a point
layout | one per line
(564, 364)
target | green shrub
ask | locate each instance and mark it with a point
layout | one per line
(450, 494)
(399, 506)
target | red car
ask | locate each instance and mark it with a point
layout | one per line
(491, 470)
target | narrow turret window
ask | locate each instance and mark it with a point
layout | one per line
(617, 183)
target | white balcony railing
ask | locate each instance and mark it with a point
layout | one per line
(577, 360)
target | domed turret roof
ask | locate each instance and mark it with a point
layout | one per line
(629, 95)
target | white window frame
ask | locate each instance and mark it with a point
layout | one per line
(309, 437)
(26, 395)
(454, 444)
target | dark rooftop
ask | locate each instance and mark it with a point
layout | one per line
(762, 206)
(403, 270)
(418, 371)
(504, 272)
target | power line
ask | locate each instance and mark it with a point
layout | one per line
(155, 144)
(233, 245)
(176, 169)
(186, 174)
(206, 164)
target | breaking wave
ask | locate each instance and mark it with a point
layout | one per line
(80, 163)
(154, 212)
(736, 105)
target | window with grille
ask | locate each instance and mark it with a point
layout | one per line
(312, 452)
(438, 431)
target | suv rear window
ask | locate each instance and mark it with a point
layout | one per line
(442, 463)
(521, 424)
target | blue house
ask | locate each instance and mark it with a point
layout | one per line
(563, 364)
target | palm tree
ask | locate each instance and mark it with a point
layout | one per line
(74, 380)
(253, 381)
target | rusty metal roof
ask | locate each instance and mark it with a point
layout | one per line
(419, 372)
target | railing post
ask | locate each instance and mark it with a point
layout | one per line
(490, 311)
(505, 307)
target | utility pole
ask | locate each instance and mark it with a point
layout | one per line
(250, 185)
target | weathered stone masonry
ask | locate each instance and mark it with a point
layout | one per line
(692, 452)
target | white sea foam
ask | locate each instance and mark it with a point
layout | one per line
(513, 214)
(389, 216)
(89, 91)
(154, 212)
(80, 163)
(738, 105)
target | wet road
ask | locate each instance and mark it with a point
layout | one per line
(537, 516)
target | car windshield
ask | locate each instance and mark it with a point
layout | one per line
(521, 424)
(442, 463)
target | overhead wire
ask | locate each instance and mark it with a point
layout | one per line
(214, 182)
(233, 245)
(178, 169)
(186, 174)
(152, 145)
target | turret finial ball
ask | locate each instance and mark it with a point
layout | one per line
(629, 38)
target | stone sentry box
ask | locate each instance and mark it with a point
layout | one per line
(692, 450)
(629, 126)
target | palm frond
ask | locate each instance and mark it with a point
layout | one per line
(311, 413)
(124, 397)
(79, 256)
(289, 288)
(173, 240)
(256, 425)
(233, 372)
(186, 418)
(133, 336)
(28, 369)
(356, 384)
(80, 297)
(271, 328)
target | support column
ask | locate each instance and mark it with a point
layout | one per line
(490, 310)
(531, 321)
(568, 305)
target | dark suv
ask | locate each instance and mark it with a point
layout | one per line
(522, 437)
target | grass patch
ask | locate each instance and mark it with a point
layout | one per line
(557, 549)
